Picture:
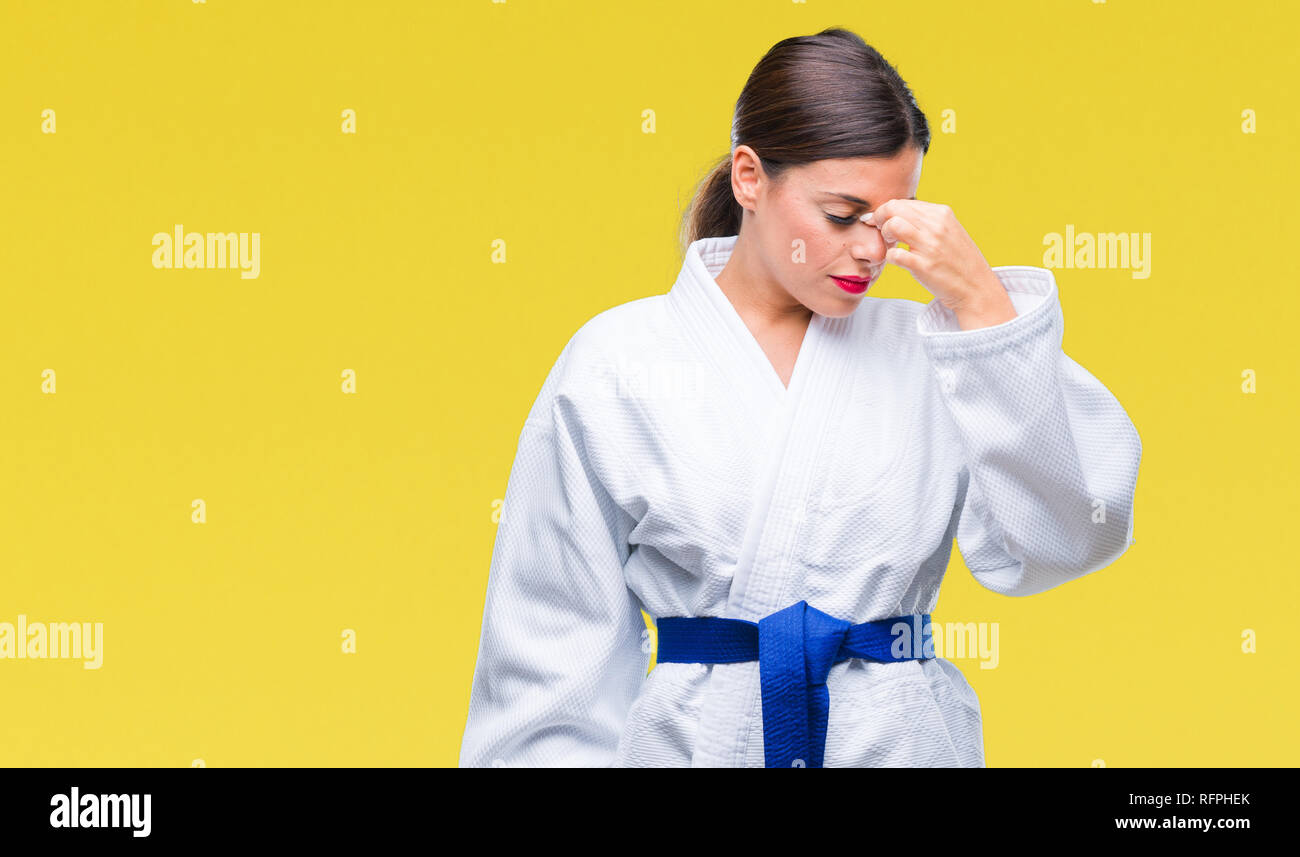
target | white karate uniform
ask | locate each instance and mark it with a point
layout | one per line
(665, 466)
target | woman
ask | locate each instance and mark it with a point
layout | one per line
(773, 464)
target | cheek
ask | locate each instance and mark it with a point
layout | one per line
(825, 246)
(821, 244)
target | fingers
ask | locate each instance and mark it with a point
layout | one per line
(903, 258)
(894, 229)
(898, 228)
(892, 219)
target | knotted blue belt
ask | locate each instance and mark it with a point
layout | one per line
(795, 648)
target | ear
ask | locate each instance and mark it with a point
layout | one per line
(748, 179)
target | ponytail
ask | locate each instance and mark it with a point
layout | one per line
(714, 212)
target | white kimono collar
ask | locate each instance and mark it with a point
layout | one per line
(710, 313)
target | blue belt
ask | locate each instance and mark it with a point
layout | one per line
(795, 649)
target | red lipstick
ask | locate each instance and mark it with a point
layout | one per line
(852, 285)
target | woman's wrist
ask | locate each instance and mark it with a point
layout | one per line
(986, 305)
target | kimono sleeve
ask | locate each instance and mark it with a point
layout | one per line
(560, 657)
(1052, 456)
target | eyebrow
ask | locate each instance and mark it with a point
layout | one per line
(852, 198)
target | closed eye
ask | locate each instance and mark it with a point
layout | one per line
(842, 221)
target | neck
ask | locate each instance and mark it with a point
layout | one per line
(756, 295)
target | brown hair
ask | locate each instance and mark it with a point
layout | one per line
(830, 95)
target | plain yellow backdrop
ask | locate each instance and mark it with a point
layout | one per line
(525, 122)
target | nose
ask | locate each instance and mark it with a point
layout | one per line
(869, 245)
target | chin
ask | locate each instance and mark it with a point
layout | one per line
(837, 306)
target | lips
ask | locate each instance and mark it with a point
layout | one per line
(853, 285)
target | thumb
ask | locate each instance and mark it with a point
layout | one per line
(905, 259)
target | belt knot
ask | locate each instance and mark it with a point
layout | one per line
(795, 648)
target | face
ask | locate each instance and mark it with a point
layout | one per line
(805, 228)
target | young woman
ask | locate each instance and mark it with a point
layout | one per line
(773, 464)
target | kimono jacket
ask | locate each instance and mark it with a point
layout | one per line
(665, 467)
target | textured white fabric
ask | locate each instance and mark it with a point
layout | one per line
(664, 465)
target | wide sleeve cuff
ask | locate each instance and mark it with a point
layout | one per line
(1032, 291)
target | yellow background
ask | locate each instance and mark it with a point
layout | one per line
(522, 121)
